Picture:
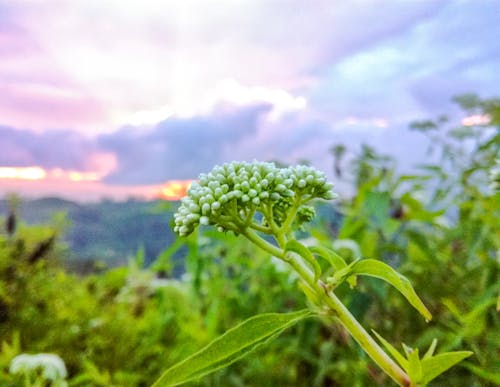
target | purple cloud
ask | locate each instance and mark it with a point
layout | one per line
(180, 148)
(52, 149)
(355, 72)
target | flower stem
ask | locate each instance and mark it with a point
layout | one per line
(369, 345)
(366, 342)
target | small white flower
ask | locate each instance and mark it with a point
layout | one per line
(52, 366)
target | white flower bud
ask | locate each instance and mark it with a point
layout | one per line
(205, 209)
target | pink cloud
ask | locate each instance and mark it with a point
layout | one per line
(41, 106)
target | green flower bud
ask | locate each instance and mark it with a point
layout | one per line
(248, 188)
(205, 209)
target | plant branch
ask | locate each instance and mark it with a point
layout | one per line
(369, 345)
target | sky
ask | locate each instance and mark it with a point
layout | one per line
(120, 98)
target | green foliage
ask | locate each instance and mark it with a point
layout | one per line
(231, 198)
(230, 347)
(106, 231)
(377, 269)
(441, 231)
(437, 226)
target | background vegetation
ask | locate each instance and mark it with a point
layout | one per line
(121, 326)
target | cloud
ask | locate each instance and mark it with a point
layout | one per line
(415, 73)
(116, 60)
(245, 80)
(464, 54)
(180, 148)
(52, 149)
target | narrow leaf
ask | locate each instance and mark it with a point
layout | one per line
(378, 269)
(341, 275)
(231, 346)
(431, 349)
(393, 351)
(331, 256)
(414, 367)
(408, 350)
(304, 252)
(435, 366)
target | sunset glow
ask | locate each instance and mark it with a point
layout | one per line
(175, 189)
(85, 114)
(38, 173)
(26, 173)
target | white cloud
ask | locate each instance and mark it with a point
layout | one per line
(138, 57)
(232, 92)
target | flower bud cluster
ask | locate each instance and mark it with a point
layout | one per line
(230, 191)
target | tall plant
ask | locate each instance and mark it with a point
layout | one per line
(267, 205)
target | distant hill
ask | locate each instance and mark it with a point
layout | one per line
(106, 231)
(112, 232)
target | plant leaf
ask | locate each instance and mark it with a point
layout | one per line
(431, 349)
(436, 365)
(304, 252)
(378, 269)
(331, 256)
(343, 274)
(414, 367)
(393, 351)
(236, 343)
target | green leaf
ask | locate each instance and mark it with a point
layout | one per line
(231, 346)
(393, 351)
(346, 273)
(331, 256)
(431, 349)
(378, 269)
(436, 365)
(304, 252)
(414, 367)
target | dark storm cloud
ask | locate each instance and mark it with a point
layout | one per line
(51, 149)
(180, 148)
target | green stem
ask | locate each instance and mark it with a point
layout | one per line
(290, 217)
(258, 227)
(352, 325)
(343, 315)
(366, 342)
(263, 244)
(268, 214)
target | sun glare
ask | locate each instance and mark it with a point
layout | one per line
(175, 189)
(38, 173)
(24, 173)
